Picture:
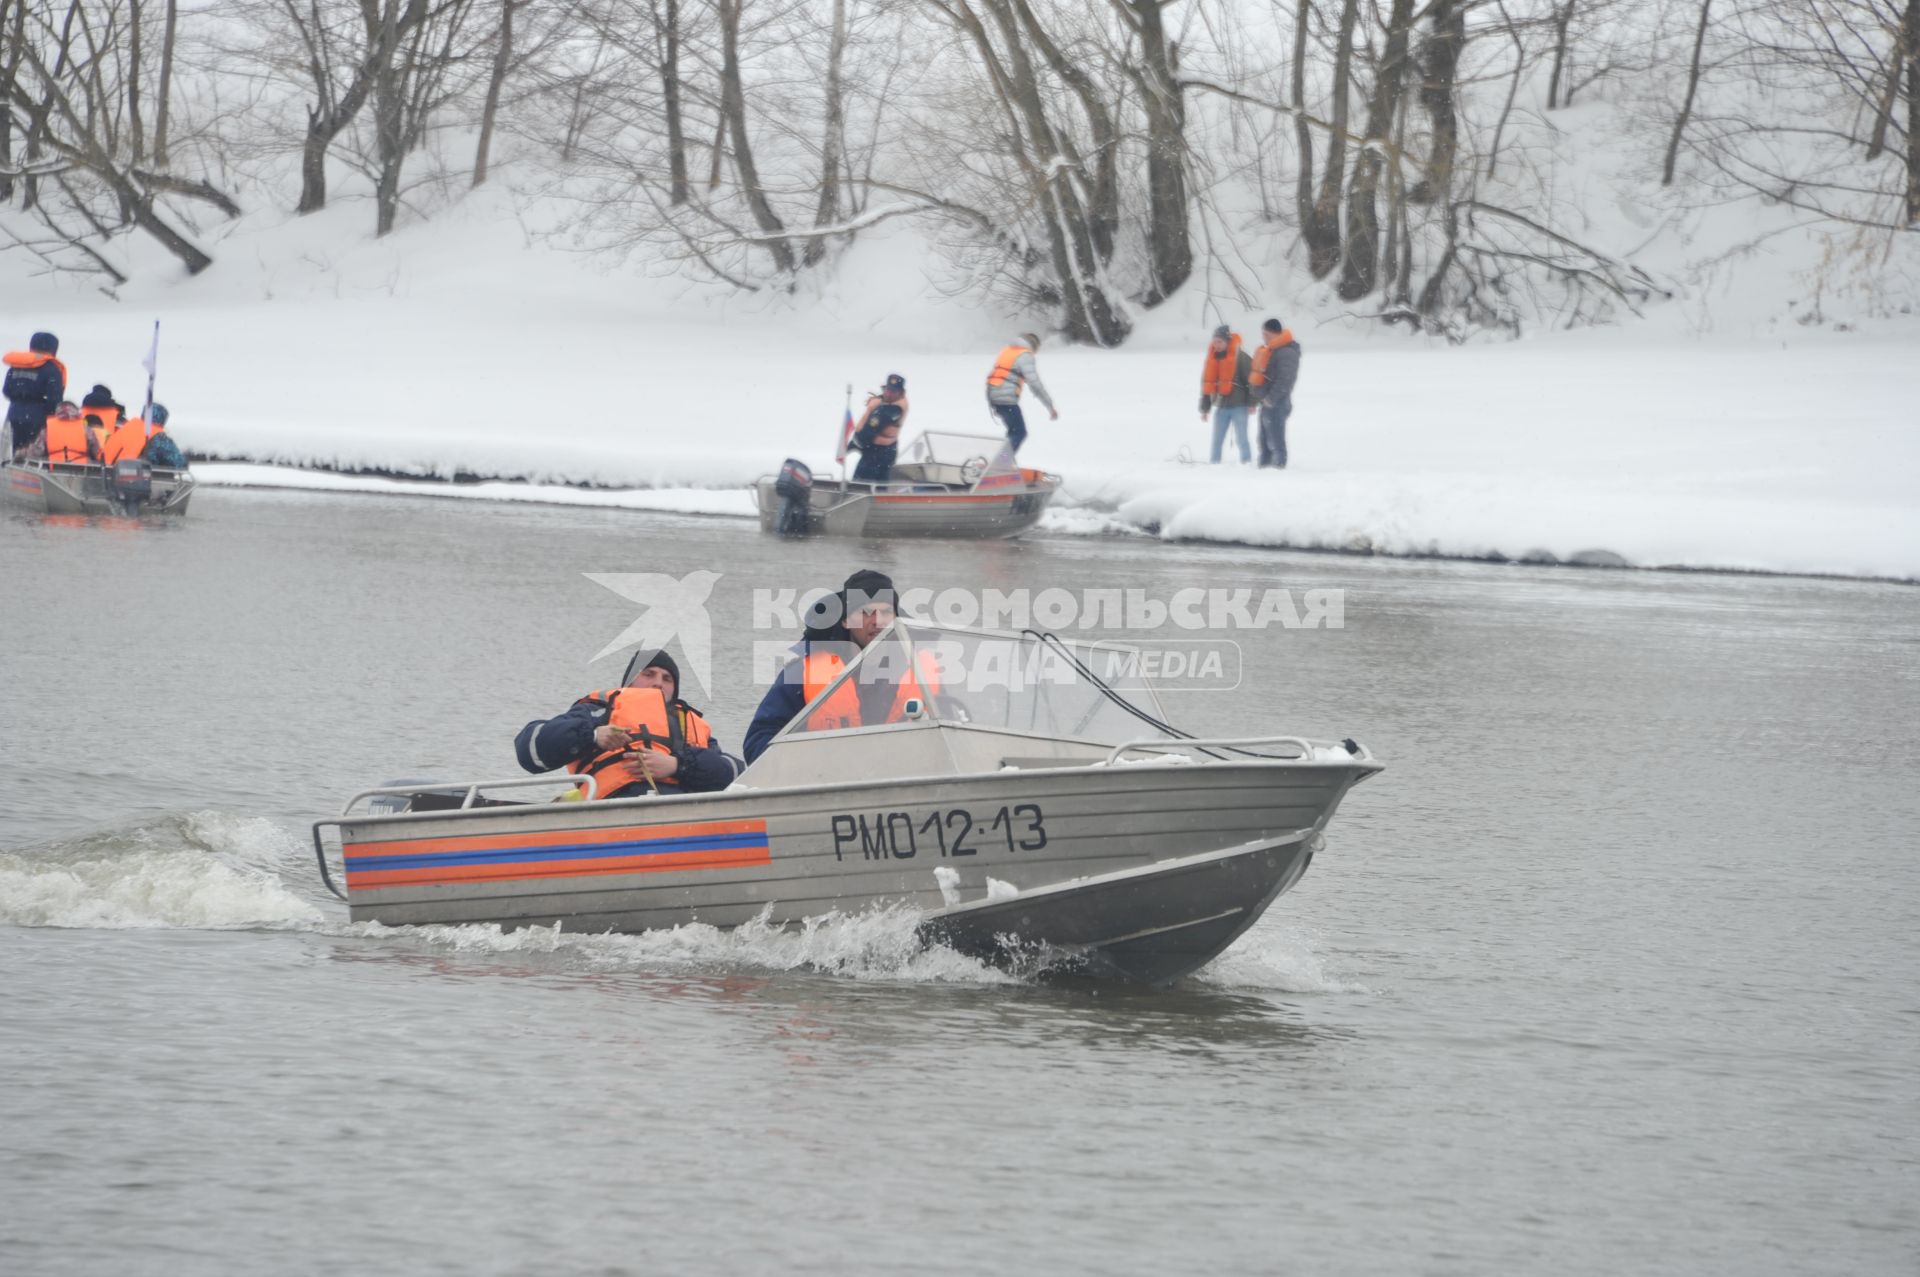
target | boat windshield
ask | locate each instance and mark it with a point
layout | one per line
(987, 454)
(1045, 686)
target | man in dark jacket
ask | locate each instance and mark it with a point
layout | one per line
(99, 402)
(35, 384)
(680, 756)
(1224, 390)
(1276, 366)
(840, 626)
(161, 450)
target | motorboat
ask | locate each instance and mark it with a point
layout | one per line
(127, 487)
(948, 485)
(1032, 804)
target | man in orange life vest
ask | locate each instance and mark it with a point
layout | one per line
(1224, 392)
(36, 382)
(1276, 366)
(67, 440)
(1013, 369)
(843, 626)
(636, 739)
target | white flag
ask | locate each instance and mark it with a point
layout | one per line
(153, 351)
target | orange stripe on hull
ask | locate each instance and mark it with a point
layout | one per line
(662, 862)
(583, 838)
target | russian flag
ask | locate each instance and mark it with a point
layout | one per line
(846, 437)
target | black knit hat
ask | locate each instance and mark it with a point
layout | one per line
(650, 659)
(98, 397)
(867, 586)
(44, 344)
(1273, 326)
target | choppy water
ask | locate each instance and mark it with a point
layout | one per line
(1613, 970)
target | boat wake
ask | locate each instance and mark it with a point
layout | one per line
(225, 871)
(212, 871)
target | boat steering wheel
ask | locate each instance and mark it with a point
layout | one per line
(972, 469)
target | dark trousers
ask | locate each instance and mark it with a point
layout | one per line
(1015, 421)
(1273, 431)
(876, 463)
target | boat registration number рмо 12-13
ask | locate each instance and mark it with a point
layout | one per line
(955, 831)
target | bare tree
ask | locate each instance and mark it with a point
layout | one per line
(164, 94)
(1360, 263)
(1169, 246)
(733, 110)
(1322, 230)
(496, 80)
(833, 144)
(1686, 102)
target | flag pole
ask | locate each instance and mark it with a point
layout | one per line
(843, 434)
(152, 363)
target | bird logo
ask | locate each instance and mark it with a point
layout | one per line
(672, 609)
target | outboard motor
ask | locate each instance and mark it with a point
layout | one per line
(794, 487)
(130, 482)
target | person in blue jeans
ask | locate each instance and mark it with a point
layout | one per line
(1224, 390)
(1276, 366)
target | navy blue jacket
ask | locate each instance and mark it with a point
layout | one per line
(547, 743)
(788, 695)
(786, 698)
(32, 395)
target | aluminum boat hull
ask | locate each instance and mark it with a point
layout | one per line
(856, 509)
(60, 489)
(1141, 871)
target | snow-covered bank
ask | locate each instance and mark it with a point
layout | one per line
(736, 502)
(1792, 450)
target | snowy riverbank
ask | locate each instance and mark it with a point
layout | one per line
(1774, 448)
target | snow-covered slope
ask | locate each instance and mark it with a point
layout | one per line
(463, 345)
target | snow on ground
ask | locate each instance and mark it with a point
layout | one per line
(737, 502)
(456, 347)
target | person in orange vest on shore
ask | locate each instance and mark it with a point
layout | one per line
(634, 740)
(67, 440)
(36, 382)
(1224, 390)
(1276, 366)
(843, 627)
(1014, 369)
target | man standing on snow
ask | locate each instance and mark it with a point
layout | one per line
(1276, 366)
(1012, 370)
(1224, 390)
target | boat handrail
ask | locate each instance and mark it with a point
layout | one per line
(472, 788)
(1163, 744)
(472, 793)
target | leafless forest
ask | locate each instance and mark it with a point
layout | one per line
(1082, 161)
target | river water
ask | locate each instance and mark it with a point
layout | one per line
(1613, 970)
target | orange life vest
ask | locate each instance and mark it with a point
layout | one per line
(1261, 356)
(30, 359)
(842, 709)
(67, 440)
(1003, 366)
(128, 439)
(109, 417)
(641, 712)
(1216, 375)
